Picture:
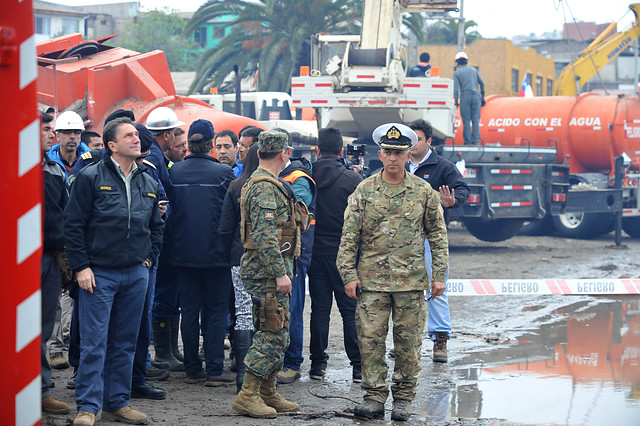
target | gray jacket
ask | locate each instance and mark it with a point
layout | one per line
(466, 81)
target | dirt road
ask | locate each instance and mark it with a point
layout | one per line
(484, 328)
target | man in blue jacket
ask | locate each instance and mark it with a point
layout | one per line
(69, 127)
(200, 183)
(443, 176)
(113, 233)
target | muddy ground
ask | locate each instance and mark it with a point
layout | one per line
(482, 325)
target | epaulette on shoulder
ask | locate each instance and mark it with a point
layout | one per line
(87, 155)
(149, 163)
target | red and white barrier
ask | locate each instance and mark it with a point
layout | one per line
(550, 286)
(21, 217)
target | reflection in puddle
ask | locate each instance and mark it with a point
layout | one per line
(584, 369)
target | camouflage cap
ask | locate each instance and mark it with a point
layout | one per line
(272, 141)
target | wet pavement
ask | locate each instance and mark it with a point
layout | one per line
(554, 360)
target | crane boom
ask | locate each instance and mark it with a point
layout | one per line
(599, 53)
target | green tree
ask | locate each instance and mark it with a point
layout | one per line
(273, 35)
(445, 31)
(158, 29)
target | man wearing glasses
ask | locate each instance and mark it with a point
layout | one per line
(69, 127)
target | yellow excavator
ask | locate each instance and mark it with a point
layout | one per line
(599, 53)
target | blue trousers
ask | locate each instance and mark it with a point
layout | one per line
(109, 324)
(74, 332)
(206, 290)
(166, 301)
(144, 335)
(439, 319)
(293, 357)
(470, 104)
(50, 282)
(325, 284)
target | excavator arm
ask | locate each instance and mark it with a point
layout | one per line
(599, 53)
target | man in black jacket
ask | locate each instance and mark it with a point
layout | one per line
(113, 232)
(335, 183)
(200, 183)
(55, 199)
(443, 176)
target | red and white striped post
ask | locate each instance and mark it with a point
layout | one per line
(21, 192)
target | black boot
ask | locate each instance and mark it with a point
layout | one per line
(175, 327)
(241, 343)
(161, 331)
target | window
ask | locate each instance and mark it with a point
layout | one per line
(515, 77)
(530, 78)
(218, 32)
(549, 87)
(43, 25)
(200, 36)
(70, 26)
(538, 86)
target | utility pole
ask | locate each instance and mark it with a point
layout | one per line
(461, 27)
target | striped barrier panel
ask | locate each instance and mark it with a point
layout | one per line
(596, 287)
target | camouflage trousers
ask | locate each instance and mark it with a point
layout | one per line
(266, 354)
(408, 312)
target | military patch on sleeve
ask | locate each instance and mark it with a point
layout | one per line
(269, 215)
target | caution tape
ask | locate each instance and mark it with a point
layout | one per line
(570, 286)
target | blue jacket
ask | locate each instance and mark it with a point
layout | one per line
(419, 70)
(54, 154)
(100, 227)
(304, 188)
(200, 183)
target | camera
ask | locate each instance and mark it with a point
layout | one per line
(356, 150)
(356, 162)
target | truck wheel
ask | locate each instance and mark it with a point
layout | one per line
(631, 226)
(493, 230)
(582, 225)
(539, 228)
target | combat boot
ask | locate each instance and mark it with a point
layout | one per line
(161, 331)
(272, 398)
(175, 328)
(249, 402)
(53, 406)
(401, 410)
(370, 409)
(440, 348)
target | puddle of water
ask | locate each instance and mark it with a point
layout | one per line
(583, 368)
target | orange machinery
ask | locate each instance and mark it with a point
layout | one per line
(590, 128)
(94, 80)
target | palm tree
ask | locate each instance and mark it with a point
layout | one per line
(446, 32)
(273, 35)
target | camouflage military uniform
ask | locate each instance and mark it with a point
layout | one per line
(386, 225)
(267, 207)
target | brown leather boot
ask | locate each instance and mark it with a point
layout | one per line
(249, 402)
(440, 348)
(272, 398)
(125, 415)
(53, 406)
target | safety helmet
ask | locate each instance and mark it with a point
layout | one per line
(163, 118)
(461, 55)
(69, 120)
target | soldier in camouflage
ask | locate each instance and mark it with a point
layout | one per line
(266, 271)
(387, 219)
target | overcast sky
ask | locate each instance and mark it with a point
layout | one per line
(495, 18)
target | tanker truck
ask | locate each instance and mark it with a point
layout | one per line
(93, 79)
(551, 160)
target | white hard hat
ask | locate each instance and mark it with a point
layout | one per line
(461, 55)
(69, 120)
(163, 118)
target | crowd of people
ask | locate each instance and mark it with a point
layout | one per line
(152, 232)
